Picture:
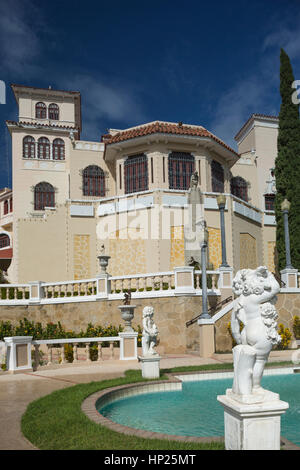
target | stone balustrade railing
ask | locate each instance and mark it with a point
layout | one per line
(83, 287)
(24, 354)
(163, 281)
(183, 280)
(59, 346)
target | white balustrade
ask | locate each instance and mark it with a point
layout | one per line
(61, 355)
(160, 284)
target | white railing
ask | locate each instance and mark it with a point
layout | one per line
(56, 347)
(104, 286)
(164, 281)
(75, 288)
(212, 279)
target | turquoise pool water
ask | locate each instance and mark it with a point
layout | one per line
(194, 411)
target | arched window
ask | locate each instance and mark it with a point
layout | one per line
(136, 173)
(181, 166)
(53, 111)
(239, 187)
(40, 110)
(44, 148)
(58, 149)
(4, 240)
(5, 207)
(28, 147)
(217, 177)
(44, 196)
(93, 181)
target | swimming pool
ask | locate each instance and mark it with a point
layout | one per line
(195, 411)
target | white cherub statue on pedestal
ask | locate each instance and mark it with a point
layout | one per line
(150, 333)
(254, 308)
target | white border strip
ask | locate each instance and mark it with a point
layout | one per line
(229, 375)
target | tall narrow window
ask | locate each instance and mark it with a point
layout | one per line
(40, 110)
(181, 166)
(58, 149)
(239, 187)
(44, 148)
(11, 205)
(217, 177)
(136, 173)
(93, 181)
(44, 196)
(28, 147)
(269, 202)
(53, 112)
(4, 240)
(5, 207)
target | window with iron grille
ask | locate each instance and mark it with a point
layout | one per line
(44, 196)
(239, 187)
(93, 181)
(217, 177)
(270, 202)
(181, 165)
(53, 111)
(28, 147)
(58, 149)
(4, 240)
(136, 173)
(40, 110)
(44, 148)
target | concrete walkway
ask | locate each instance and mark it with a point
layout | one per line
(17, 391)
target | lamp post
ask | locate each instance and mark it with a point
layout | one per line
(285, 207)
(204, 313)
(221, 200)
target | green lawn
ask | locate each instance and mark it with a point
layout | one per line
(56, 422)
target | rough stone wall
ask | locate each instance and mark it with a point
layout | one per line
(171, 315)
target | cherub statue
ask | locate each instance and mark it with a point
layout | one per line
(254, 308)
(150, 333)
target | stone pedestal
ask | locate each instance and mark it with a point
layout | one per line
(128, 345)
(18, 357)
(206, 337)
(252, 426)
(150, 366)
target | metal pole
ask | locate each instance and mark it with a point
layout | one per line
(204, 313)
(287, 240)
(223, 238)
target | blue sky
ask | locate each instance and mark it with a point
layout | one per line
(206, 63)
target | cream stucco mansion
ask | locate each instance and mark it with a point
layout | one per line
(128, 192)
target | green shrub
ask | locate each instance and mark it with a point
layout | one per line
(296, 326)
(286, 337)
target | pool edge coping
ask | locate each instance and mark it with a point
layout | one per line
(88, 407)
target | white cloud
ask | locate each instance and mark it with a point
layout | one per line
(104, 103)
(19, 41)
(259, 91)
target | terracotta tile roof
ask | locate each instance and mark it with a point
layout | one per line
(162, 128)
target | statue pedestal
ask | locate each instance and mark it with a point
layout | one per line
(150, 366)
(252, 426)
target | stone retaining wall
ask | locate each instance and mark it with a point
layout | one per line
(171, 315)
